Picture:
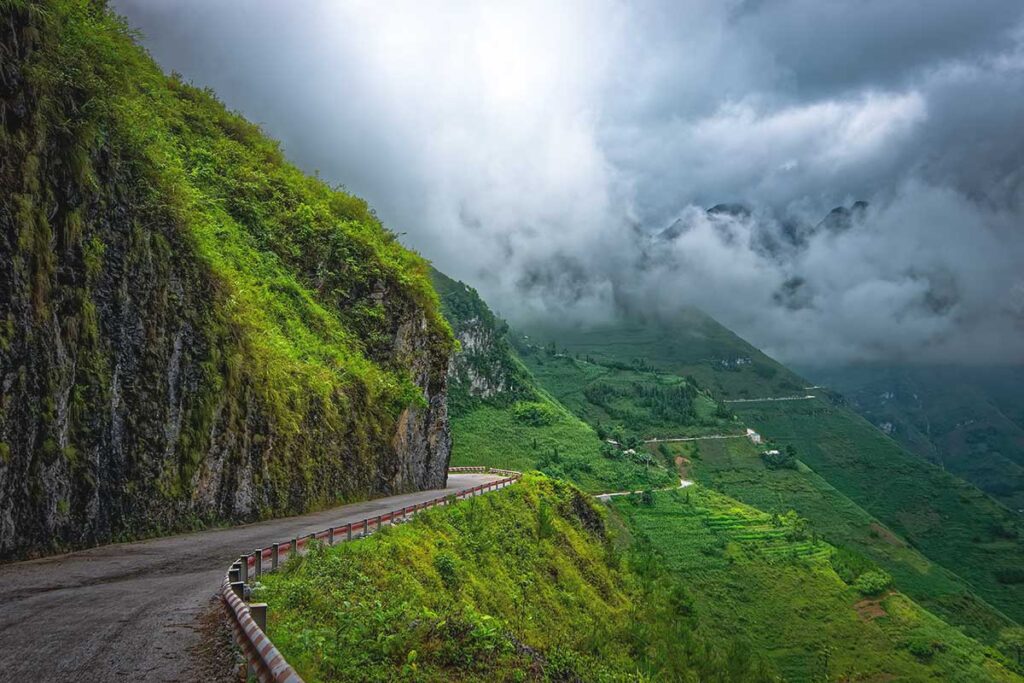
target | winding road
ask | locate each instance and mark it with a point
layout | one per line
(142, 611)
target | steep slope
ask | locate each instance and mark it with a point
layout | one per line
(501, 416)
(953, 524)
(191, 330)
(813, 612)
(969, 420)
(613, 384)
(521, 584)
(484, 370)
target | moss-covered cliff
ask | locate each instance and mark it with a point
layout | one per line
(485, 370)
(191, 330)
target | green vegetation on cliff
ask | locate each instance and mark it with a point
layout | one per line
(528, 583)
(190, 328)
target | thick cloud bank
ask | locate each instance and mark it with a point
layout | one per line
(562, 156)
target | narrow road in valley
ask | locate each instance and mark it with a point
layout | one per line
(142, 611)
(775, 398)
(677, 439)
(683, 483)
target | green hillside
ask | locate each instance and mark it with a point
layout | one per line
(969, 420)
(693, 344)
(628, 398)
(734, 467)
(927, 625)
(770, 580)
(952, 524)
(522, 584)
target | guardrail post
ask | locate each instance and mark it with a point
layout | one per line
(234, 574)
(330, 536)
(258, 611)
(257, 567)
(238, 587)
(275, 555)
(366, 527)
(378, 522)
(349, 532)
(294, 549)
(243, 566)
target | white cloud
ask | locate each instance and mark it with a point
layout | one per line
(532, 147)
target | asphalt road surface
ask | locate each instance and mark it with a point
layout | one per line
(142, 611)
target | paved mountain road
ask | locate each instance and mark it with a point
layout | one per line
(133, 611)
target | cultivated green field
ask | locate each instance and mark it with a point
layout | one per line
(769, 579)
(735, 468)
(948, 520)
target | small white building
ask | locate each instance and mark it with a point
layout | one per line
(771, 452)
(753, 436)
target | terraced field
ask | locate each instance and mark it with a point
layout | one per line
(768, 580)
(734, 468)
(947, 519)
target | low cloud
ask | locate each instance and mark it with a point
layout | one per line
(563, 158)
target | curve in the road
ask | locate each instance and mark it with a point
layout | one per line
(131, 611)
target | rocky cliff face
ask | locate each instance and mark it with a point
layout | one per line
(175, 351)
(472, 368)
(484, 368)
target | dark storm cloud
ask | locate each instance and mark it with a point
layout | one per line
(541, 151)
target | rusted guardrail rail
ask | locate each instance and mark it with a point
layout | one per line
(249, 620)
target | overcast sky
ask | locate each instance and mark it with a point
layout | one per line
(561, 157)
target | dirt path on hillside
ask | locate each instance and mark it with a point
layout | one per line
(808, 397)
(677, 439)
(142, 611)
(683, 483)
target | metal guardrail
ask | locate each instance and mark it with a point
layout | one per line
(249, 620)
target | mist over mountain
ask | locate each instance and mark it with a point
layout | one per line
(564, 159)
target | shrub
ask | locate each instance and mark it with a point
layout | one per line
(850, 565)
(545, 522)
(535, 414)
(778, 460)
(923, 647)
(444, 563)
(873, 582)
